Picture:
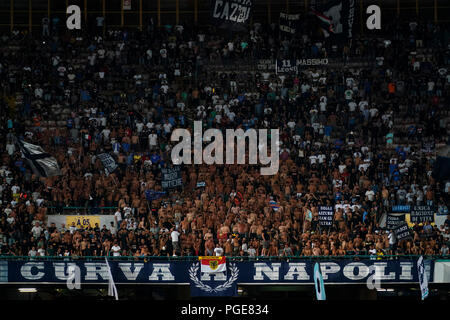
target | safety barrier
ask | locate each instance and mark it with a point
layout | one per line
(230, 258)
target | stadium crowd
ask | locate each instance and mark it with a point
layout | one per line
(352, 135)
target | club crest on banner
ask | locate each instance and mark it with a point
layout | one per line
(214, 264)
(210, 290)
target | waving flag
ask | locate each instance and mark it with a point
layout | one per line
(274, 205)
(42, 163)
(238, 198)
(422, 278)
(337, 17)
(152, 195)
(325, 22)
(108, 162)
(233, 15)
(210, 264)
(112, 290)
(318, 281)
(441, 169)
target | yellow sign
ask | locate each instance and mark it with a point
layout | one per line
(82, 222)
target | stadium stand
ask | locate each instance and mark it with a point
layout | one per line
(361, 136)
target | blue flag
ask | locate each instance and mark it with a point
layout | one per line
(154, 195)
(422, 278)
(318, 281)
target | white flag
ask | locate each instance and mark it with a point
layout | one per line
(422, 278)
(112, 290)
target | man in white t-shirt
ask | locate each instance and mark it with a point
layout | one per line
(118, 218)
(115, 249)
(321, 158)
(370, 194)
(152, 140)
(218, 251)
(174, 235)
(36, 230)
(10, 148)
(313, 159)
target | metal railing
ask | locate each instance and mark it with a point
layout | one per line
(230, 258)
(84, 210)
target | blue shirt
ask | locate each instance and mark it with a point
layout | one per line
(365, 216)
(155, 158)
(126, 146)
(85, 96)
(130, 159)
(182, 119)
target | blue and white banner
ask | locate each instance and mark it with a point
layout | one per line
(318, 281)
(238, 272)
(422, 278)
(152, 195)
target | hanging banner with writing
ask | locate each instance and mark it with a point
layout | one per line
(289, 23)
(231, 14)
(171, 177)
(293, 65)
(162, 271)
(392, 220)
(402, 231)
(422, 214)
(326, 214)
(428, 145)
(265, 65)
(108, 162)
(82, 222)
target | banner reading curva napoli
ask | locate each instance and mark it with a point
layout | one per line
(251, 272)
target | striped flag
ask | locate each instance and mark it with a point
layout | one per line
(112, 290)
(422, 278)
(238, 198)
(211, 264)
(326, 22)
(336, 18)
(274, 205)
(318, 281)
